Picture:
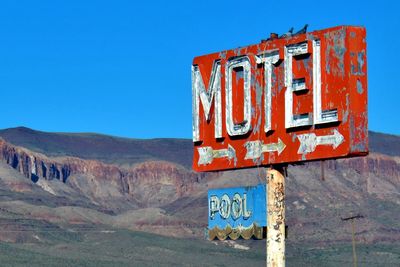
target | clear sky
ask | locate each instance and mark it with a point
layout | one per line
(123, 67)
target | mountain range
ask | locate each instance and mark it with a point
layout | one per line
(90, 199)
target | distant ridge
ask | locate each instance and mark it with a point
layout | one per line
(129, 151)
(108, 149)
(384, 143)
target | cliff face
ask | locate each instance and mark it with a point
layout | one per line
(375, 163)
(149, 183)
(33, 165)
(157, 183)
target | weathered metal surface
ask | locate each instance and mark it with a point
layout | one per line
(237, 212)
(284, 100)
(275, 218)
(253, 231)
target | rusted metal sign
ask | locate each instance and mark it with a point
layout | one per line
(237, 212)
(285, 100)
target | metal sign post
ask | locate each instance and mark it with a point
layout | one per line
(275, 218)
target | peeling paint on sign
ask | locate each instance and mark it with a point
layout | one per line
(309, 142)
(237, 212)
(255, 149)
(208, 154)
(285, 100)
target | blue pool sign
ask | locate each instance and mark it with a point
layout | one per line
(237, 212)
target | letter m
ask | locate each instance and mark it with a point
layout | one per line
(200, 94)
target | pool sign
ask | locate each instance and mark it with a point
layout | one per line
(284, 100)
(237, 212)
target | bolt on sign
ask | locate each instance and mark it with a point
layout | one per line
(284, 100)
(237, 212)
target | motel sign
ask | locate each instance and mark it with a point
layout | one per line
(284, 100)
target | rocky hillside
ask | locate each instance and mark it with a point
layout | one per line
(61, 179)
(104, 148)
(147, 184)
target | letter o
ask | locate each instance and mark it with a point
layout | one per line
(225, 207)
(236, 206)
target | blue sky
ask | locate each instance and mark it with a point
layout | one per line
(123, 67)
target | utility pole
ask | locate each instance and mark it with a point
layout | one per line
(323, 170)
(352, 218)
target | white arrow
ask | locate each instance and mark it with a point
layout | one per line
(308, 142)
(208, 154)
(256, 148)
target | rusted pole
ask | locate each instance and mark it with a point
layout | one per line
(275, 218)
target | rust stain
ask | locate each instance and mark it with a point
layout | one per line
(338, 92)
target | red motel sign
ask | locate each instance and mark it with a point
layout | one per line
(285, 100)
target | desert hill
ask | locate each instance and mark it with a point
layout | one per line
(107, 149)
(57, 187)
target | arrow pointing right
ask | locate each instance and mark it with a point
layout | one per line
(256, 148)
(208, 154)
(309, 142)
